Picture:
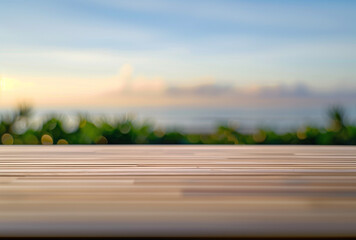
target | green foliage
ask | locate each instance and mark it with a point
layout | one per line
(15, 129)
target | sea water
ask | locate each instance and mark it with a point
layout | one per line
(205, 119)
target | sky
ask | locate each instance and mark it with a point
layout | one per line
(176, 52)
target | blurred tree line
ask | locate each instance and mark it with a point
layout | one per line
(15, 129)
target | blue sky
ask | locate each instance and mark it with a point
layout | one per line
(84, 46)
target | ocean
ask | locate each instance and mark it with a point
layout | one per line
(205, 120)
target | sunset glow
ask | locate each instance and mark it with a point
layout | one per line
(123, 53)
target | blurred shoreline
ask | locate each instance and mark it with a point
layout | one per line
(201, 120)
(24, 126)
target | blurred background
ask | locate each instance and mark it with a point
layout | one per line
(177, 72)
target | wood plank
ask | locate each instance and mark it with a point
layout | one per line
(185, 190)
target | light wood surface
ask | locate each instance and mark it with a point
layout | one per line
(177, 190)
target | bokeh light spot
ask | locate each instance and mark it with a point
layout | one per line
(62, 142)
(7, 139)
(46, 140)
(259, 137)
(102, 140)
(125, 128)
(301, 134)
(159, 133)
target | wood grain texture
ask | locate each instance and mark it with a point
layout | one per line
(177, 190)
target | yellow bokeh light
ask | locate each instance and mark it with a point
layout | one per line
(259, 137)
(62, 142)
(46, 140)
(7, 139)
(102, 140)
(301, 134)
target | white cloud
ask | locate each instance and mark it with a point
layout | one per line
(128, 83)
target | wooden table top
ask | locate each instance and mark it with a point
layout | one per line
(178, 190)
